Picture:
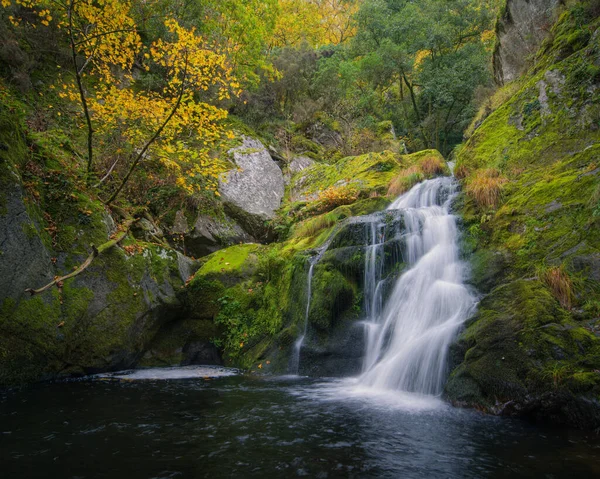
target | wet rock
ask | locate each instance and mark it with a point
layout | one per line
(252, 192)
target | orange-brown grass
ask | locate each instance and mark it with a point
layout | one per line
(335, 196)
(431, 165)
(485, 187)
(461, 172)
(559, 282)
(405, 181)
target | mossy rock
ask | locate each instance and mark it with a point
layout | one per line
(332, 295)
(520, 346)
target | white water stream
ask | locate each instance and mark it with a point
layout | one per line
(295, 361)
(407, 341)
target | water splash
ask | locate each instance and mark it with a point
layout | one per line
(408, 341)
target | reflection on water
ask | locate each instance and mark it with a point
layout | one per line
(269, 427)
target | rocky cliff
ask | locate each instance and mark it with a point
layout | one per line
(532, 216)
(103, 319)
(521, 29)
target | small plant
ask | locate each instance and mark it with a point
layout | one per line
(486, 186)
(405, 181)
(557, 373)
(335, 196)
(559, 282)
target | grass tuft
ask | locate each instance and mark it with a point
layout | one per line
(559, 282)
(405, 181)
(485, 187)
(431, 166)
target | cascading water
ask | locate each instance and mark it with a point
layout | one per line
(295, 361)
(407, 341)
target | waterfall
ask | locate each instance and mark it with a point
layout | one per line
(407, 341)
(295, 360)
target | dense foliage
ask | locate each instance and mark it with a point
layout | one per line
(141, 89)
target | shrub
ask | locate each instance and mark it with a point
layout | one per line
(335, 196)
(405, 181)
(559, 282)
(485, 187)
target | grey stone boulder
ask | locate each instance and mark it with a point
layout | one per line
(210, 234)
(298, 164)
(253, 191)
(521, 30)
(180, 225)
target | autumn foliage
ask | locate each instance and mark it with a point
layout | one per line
(139, 100)
(316, 22)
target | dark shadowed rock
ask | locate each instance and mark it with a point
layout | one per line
(24, 260)
(212, 234)
(201, 353)
(252, 192)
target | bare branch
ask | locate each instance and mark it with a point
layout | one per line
(58, 281)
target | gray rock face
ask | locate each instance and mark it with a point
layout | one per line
(103, 319)
(180, 225)
(210, 235)
(23, 258)
(298, 164)
(521, 30)
(253, 192)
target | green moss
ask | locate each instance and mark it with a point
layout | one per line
(233, 262)
(520, 343)
(332, 296)
(202, 297)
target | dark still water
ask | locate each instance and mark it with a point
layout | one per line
(244, 426)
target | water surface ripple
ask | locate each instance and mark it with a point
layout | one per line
(244, 426)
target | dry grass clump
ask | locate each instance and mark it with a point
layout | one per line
(405, 181)
(559, 282)
(461, 172)
(485, 187)
(431, 166)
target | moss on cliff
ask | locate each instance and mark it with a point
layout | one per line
(523, 346)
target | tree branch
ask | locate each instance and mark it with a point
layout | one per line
(124, 229)
(84, 104)
(98, 35)
(154, 137)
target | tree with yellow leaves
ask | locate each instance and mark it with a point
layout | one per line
(107, 58)
(317, 22)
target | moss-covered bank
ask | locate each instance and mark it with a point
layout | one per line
(533, 347)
